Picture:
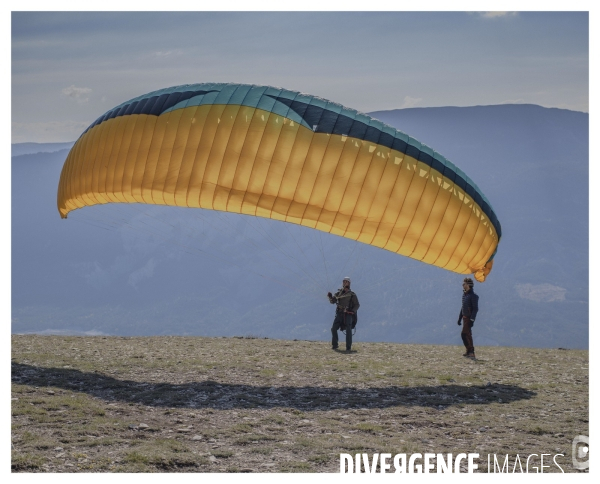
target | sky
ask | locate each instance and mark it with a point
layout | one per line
(68, 68)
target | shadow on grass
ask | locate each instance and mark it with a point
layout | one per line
(210, 394)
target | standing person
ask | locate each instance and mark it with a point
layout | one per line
(345, 313)
(468, 312)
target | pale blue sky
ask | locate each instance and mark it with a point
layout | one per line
(69, 68)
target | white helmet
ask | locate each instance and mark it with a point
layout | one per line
(346, 279)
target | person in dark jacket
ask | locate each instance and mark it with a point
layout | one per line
(345, 313)
(468, 312)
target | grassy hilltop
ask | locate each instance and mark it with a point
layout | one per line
(193, 404)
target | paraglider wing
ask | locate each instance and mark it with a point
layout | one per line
(289, 156)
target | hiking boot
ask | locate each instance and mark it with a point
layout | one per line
(471, 355)
(465, 354)
(334, 347)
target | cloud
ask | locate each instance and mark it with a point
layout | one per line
(497, 14)
(80, 94)
(144, 273)
(166, 53)
(410, 102)
(98, 277)
(541, 292)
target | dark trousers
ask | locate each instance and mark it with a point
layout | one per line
(337, 324)
(467, 336)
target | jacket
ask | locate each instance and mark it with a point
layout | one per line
(470, 305)
(345, 300)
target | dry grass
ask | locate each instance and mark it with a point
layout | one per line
(259, 405)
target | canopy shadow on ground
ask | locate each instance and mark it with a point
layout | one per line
(224, 396)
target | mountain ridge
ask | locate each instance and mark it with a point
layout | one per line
(90, 280)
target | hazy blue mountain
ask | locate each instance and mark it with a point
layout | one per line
(19, 149)
(138, 269)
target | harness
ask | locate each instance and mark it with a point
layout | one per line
(343, 329)
(344, 310)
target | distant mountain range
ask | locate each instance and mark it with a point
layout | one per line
(19, 149)
(138, 269)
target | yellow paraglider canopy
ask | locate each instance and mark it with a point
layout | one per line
(288, 156)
